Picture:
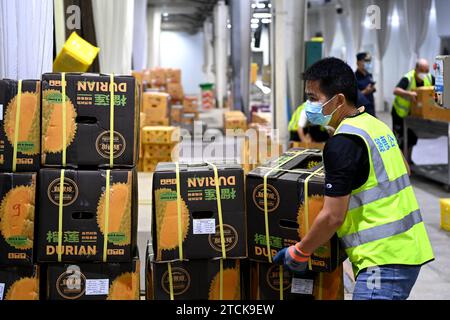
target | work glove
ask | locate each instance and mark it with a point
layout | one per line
(293, 258)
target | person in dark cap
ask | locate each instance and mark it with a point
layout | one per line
(364, 77)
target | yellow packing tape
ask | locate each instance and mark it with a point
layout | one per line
(60, 214)
(221, 281)
(281, 283)
(306, 205)
(106, 227)
(180, 239)
(266, 210)
(169, 270)
(64, 120)
(219, 209)
(17, 125)
(111, 122)
(320, 297)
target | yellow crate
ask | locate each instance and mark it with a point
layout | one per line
(445, 214)
(77, 55)
(161, 151)
(160, 135)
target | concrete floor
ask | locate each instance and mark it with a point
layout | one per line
(434, 280)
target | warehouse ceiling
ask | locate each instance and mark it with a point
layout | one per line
(183, 15)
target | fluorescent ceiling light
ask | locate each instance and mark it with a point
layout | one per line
(165, 14)
(253, 5)
(229, 26)
(260, 5)
(266, 21)
(254, 20)
(261, 15)
(254, 25)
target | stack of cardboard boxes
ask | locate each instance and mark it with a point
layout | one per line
(288, 201)
(19, 164)
(259, 146)
(87, 221)
(159, 144)
(198, 237)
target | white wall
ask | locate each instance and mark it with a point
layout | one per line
(185, 51)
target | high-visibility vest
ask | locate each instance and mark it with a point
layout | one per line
(383, 224)
(293, 124)
(403, 106)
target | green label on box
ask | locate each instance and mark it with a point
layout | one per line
(168, 196)
(117, 237)
(25, 146)
(54, 97)
(17, 241)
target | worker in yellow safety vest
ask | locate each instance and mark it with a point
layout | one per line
(405, 95)
(369, 201)
(300, 129)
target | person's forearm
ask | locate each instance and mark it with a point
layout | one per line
(301, 134)
(402, 93)
(323, 228)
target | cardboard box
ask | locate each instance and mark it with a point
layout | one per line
(160, 135)
(84, 213)
(194, 280)
(445, 214)
(286, 207)
(176, 113)
(425, 99)
(88, 120)
(175, 91)
(94, 281)
(158, 77)
(159, 123)
(265, 283)
(199, 219)
(173, 75)
(19, 283)
(235, 120)
(28, 142)
(264, 118)
(155, 106)
(308, 145)
(190, 104)
(17, 214)
(161, 151)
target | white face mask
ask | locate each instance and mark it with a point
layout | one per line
(422, 76)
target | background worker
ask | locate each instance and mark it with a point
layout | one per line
(369, 201)
(404, 96)
(364, 78)
(301, 130)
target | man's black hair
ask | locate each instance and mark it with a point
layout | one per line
(361, 56)
(334, 76)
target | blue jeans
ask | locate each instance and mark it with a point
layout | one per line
(390, 282)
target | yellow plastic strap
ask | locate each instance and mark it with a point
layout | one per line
(180, 239)
(219, 209)
(169, 269)
(221, 281)
(64, 119)
(320, 297)
(111, 122)
(293, 171)
(17, 125)
(266, 210)
(306, 202)
(60, 214)
(106, 227)
(281, 283)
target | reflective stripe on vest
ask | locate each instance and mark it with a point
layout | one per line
(384, 231)
(385, 188)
